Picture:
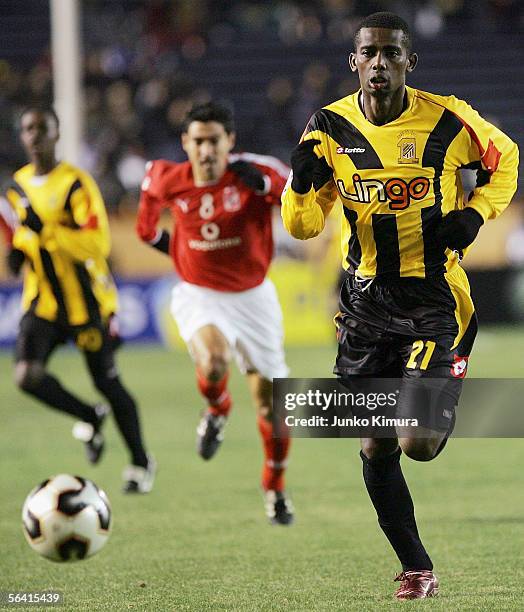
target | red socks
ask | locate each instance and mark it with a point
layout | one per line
(216, 393)
(275, 451)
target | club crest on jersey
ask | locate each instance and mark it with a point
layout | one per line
(459, 366)
(231, 199)
(407, 148)
(396, 190)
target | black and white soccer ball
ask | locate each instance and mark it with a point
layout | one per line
(66, 518)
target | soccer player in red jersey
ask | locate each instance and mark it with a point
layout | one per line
(221, 247)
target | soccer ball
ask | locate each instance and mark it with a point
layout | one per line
(66, 518)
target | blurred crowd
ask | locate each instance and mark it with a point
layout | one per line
(140, 66)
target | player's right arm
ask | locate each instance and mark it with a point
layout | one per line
(150, 207)
(21, 241)
(310, 191)
(8, 222)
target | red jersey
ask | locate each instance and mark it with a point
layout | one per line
(222, 237)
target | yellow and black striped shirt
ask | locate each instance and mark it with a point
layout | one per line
(68, 279)
(396, 181)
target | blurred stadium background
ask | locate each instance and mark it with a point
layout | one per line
(144, 63)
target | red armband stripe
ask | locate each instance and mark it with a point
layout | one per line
(92, 223)
(6, 230)
(491, 155)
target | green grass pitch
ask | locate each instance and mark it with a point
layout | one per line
(200, 541)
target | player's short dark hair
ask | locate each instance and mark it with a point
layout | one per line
(210, 111)
(386, 20)
(39, 108)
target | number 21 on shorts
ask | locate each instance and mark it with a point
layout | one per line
(418, 346)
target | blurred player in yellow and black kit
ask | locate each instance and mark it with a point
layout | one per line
(62, 237)
(392, 154)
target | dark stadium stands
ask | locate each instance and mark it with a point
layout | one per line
(274, 62)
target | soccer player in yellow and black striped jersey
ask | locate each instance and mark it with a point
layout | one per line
(63, 240)
(392, 155)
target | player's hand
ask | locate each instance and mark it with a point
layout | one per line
(249, 174)
(113, 333)
(303, 163)
(162, 244)
(32, 220)
(459, 228)
(15, 261)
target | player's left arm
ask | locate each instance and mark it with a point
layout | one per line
(495, 156)
(277, 177)
(264, 174)
(498, 156)
(88, 235)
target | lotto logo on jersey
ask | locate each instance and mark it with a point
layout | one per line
(346, 150)
(396, 190)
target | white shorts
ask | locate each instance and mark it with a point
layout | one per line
(251, 322)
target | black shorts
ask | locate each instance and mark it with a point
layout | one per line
(38, 338)
(406, 329)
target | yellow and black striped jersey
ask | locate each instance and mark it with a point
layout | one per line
(396, 181)
(68, 279)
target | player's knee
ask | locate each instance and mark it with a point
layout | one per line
(214, 367)
(265, 411)
(264, 402)
(378, 448)
(28, 375)
(419, 449)
(104, 383)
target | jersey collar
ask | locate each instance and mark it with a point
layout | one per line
(410, 94)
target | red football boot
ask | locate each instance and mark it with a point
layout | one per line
(417, 584)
